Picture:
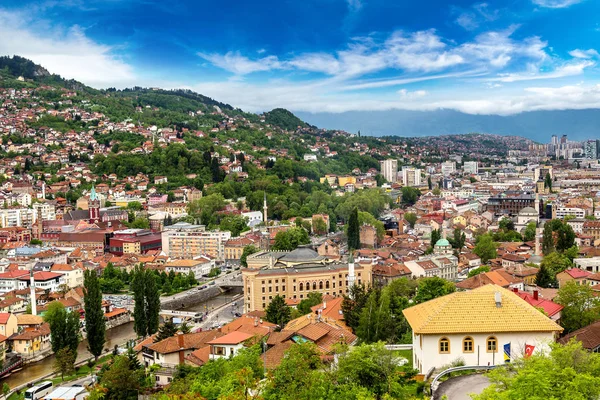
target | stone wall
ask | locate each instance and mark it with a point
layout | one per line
(192, 298)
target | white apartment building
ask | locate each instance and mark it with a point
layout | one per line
(411, 176)
(48, 211)
(199, 267)
(471, 167)
(591, 264)
(448, 168)
(12, 217)
(389, 170)
(576, 212)
(183, 240)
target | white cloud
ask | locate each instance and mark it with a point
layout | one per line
(238, 64)
(478, 14)
(412, 95)
(587, 54)
(467, 20)
(570, 69)
(354, 5)
(69, 53)
(556, 3)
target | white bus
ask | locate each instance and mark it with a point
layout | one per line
(38, 391)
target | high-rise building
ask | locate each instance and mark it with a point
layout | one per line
(389, 170)
(448, 168)
(471, 167)
(590, 148)
(411, 176)
(183, 240)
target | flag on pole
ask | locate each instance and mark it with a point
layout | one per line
(507, 352)
(529, 350)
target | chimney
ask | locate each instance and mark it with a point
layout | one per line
(324, 304)
(181, 352)
(255, 321)
(536, 295)
(498, 299)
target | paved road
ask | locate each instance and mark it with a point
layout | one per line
(223, 315)
(461, 387)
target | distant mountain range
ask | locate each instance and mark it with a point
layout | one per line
(536, 125)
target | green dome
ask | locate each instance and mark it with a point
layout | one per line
(442, 243)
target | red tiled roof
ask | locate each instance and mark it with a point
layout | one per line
(576, 273)
(235, 337)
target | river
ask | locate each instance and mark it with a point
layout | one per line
(115, 336)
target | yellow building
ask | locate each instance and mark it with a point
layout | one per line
(32, 341)
(293, 275)
(8, 324)
(344, 180)
(331, 179)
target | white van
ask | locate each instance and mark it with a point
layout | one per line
(38, 391)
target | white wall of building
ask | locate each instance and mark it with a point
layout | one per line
(426, 353)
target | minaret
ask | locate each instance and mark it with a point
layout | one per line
(265, 208)
(351, 277)
(94, 206)
(32, 293)
(44, 191)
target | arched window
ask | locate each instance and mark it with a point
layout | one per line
(326, 284)
(301, 286)
(468, 345)
(314, 285)
(321, 285)
(444, 345)
(491, 344)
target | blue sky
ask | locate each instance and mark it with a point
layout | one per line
(493, 57)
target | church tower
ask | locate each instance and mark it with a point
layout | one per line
(94, 206)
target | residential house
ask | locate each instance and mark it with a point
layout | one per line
(8, 324)
(572, 274)
(476, 327)
(228, 345)
(31, 341)
(589, 336)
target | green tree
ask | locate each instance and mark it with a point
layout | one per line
(146, 299)
(530, 231)
(558, 235)
(581, 306)
(556, 262)
(410, 195)
(64, 362)
(376, 368)
(312, 299)
(411, 218)
(429, 184)
(64, 327)
(548, 182)
(248, 250)
(236, 224)
(353, 231)
(353, 304)
(436, 235)
(291, 239)
(95, 324)
(167, 330)
(545, 278)
(568, 372)
(477, 271)
(485, 248)
(122, 381)
(431, 288)
(278, 312)
(458, 240)
(319, 226)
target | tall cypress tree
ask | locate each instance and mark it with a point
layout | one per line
(140, 324)
(353, 231)
(152, 298)
(94, 316)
